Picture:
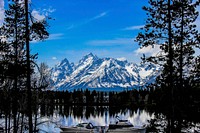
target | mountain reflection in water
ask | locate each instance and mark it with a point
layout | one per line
(97, 115)
(101, 116)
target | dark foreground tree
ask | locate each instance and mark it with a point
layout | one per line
(18, 28)
(170, 26)
(38, 32)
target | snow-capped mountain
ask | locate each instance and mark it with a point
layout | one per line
(94, 72)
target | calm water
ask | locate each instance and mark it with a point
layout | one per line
(51, 118)
(97, 115)
(102, 116)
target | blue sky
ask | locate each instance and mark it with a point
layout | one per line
(106, 28)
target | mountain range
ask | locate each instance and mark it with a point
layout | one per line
(93, 72)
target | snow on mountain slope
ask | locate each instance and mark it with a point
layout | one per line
(61, 72)
(94, 72)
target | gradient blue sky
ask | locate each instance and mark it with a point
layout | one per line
(106, 28)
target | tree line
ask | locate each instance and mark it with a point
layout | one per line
(154, 101)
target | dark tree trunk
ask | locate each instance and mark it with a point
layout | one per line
(181, 51)
(28, 71)
(22, 123)
(171, 67)
(15, 76)
(6, 122)
(9, 120)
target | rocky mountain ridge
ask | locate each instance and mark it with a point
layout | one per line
(94, 72)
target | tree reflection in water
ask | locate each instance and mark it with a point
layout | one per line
(99, 115)
(156, 119)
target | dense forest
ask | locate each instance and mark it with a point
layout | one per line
(24, 83)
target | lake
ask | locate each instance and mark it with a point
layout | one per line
(50, 119)
(97, 115)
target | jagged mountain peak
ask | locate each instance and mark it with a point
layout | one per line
(94, 72)
(89, 56)
(64, 62)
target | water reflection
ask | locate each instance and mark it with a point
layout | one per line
(64, 115)
(100, 115)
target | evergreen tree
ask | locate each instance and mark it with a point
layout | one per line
(170, 25)
(13, 29)
(13, 57)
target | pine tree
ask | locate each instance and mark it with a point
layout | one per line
(170, 25)
(15, 65)
(186, 38)
(15, 59)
